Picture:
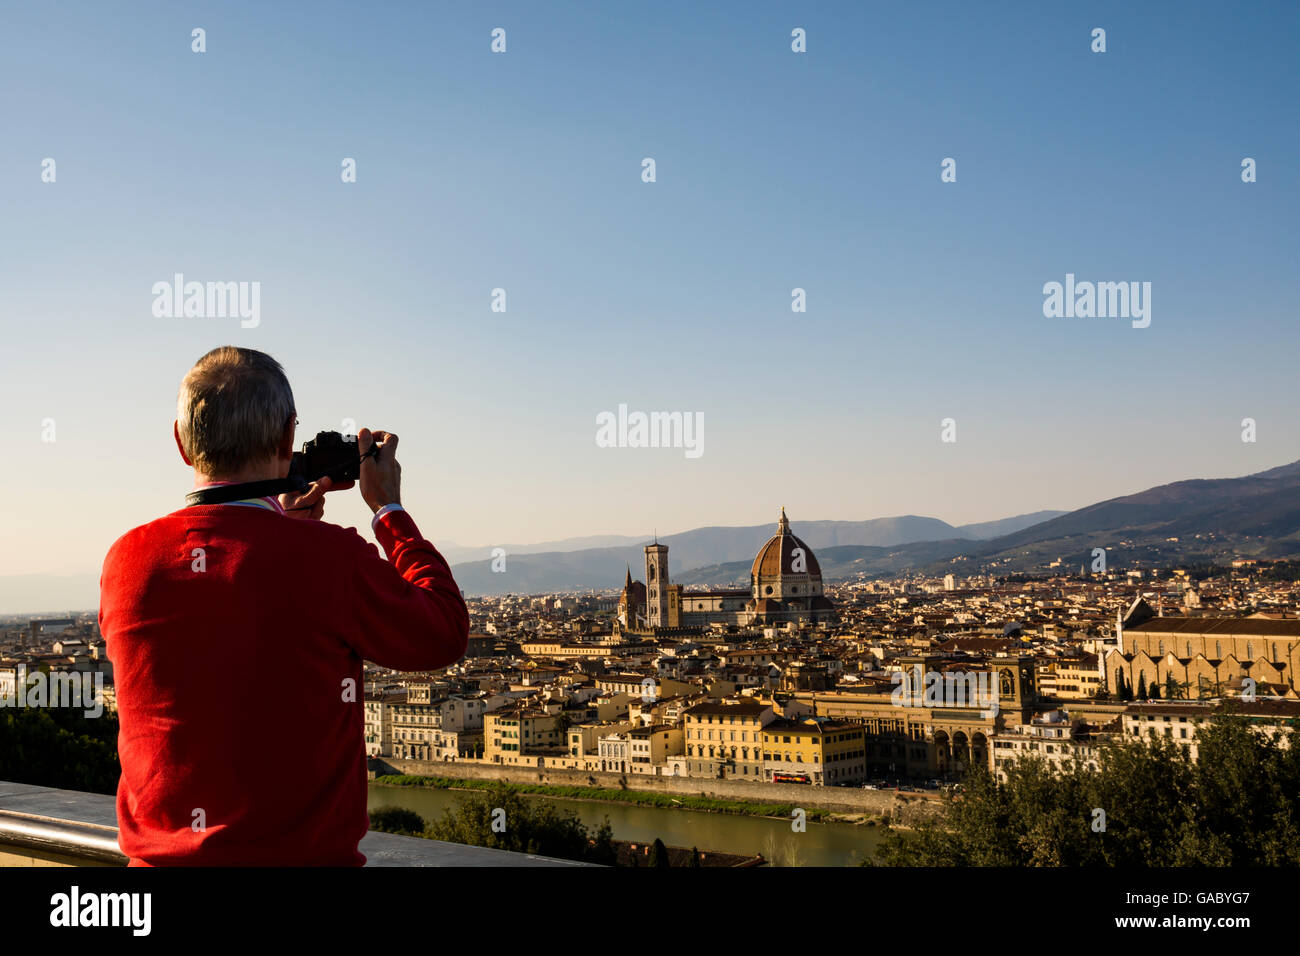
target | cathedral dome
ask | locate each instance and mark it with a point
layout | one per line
(784, 555)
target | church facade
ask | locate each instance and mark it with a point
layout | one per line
(785, 586)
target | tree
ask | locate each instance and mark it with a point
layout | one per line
(1236, 806)
(1142, 686)
(502, 819)
(1123, 691)
(397, 820)
(1175, 689)
(659, 854)
(59, 747)
(601, 847)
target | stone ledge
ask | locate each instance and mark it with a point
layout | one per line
(45, 824)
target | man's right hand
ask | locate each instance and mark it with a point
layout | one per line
(381, 481)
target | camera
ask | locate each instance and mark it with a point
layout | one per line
(329, 454)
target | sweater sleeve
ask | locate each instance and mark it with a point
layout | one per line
(411, 620)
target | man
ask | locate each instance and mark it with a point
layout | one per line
(237, 633)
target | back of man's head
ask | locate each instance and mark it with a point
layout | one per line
(232, 410)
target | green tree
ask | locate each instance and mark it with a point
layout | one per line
(397, 820)
(59, 747)
(502, 819)
(1142, 686)
(1149, 804)
(1122, 689)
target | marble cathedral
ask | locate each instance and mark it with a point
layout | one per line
(785, 585)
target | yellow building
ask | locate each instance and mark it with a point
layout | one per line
(1078, 679)
(724, 738)
(814, 750)
(515, 732)
(553, 647)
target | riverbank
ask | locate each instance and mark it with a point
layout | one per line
(825, 804)
(821, 843)
(663, 801)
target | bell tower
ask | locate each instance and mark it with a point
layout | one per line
(656, 584)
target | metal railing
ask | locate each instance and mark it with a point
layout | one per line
(45, 826)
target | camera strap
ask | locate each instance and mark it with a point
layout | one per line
(221, 494)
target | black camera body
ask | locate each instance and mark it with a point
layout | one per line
(330, 455)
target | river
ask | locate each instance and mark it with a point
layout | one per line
(824, 844)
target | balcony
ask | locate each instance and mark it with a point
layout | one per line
(41, 826)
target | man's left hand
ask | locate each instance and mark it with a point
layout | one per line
(310, 503)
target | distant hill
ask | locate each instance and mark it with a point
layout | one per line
(600, 568)
(995, 529)
(1212, 520)
(1199, 520)
(456, 553)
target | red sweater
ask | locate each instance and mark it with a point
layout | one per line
(238, 677)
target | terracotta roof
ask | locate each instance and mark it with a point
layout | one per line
(776, 557)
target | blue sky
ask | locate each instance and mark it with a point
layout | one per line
(775, 170)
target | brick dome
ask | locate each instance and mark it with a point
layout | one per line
(777, 557)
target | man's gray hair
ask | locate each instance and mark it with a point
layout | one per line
(232, 409)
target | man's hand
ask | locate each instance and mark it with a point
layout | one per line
(381, 481)
(310, 503)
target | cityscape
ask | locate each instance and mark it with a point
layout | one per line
(867, 699)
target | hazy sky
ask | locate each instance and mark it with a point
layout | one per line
(775, 170)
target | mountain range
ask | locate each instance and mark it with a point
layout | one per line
(576, 569)
(1199, 520)
(747, 539)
